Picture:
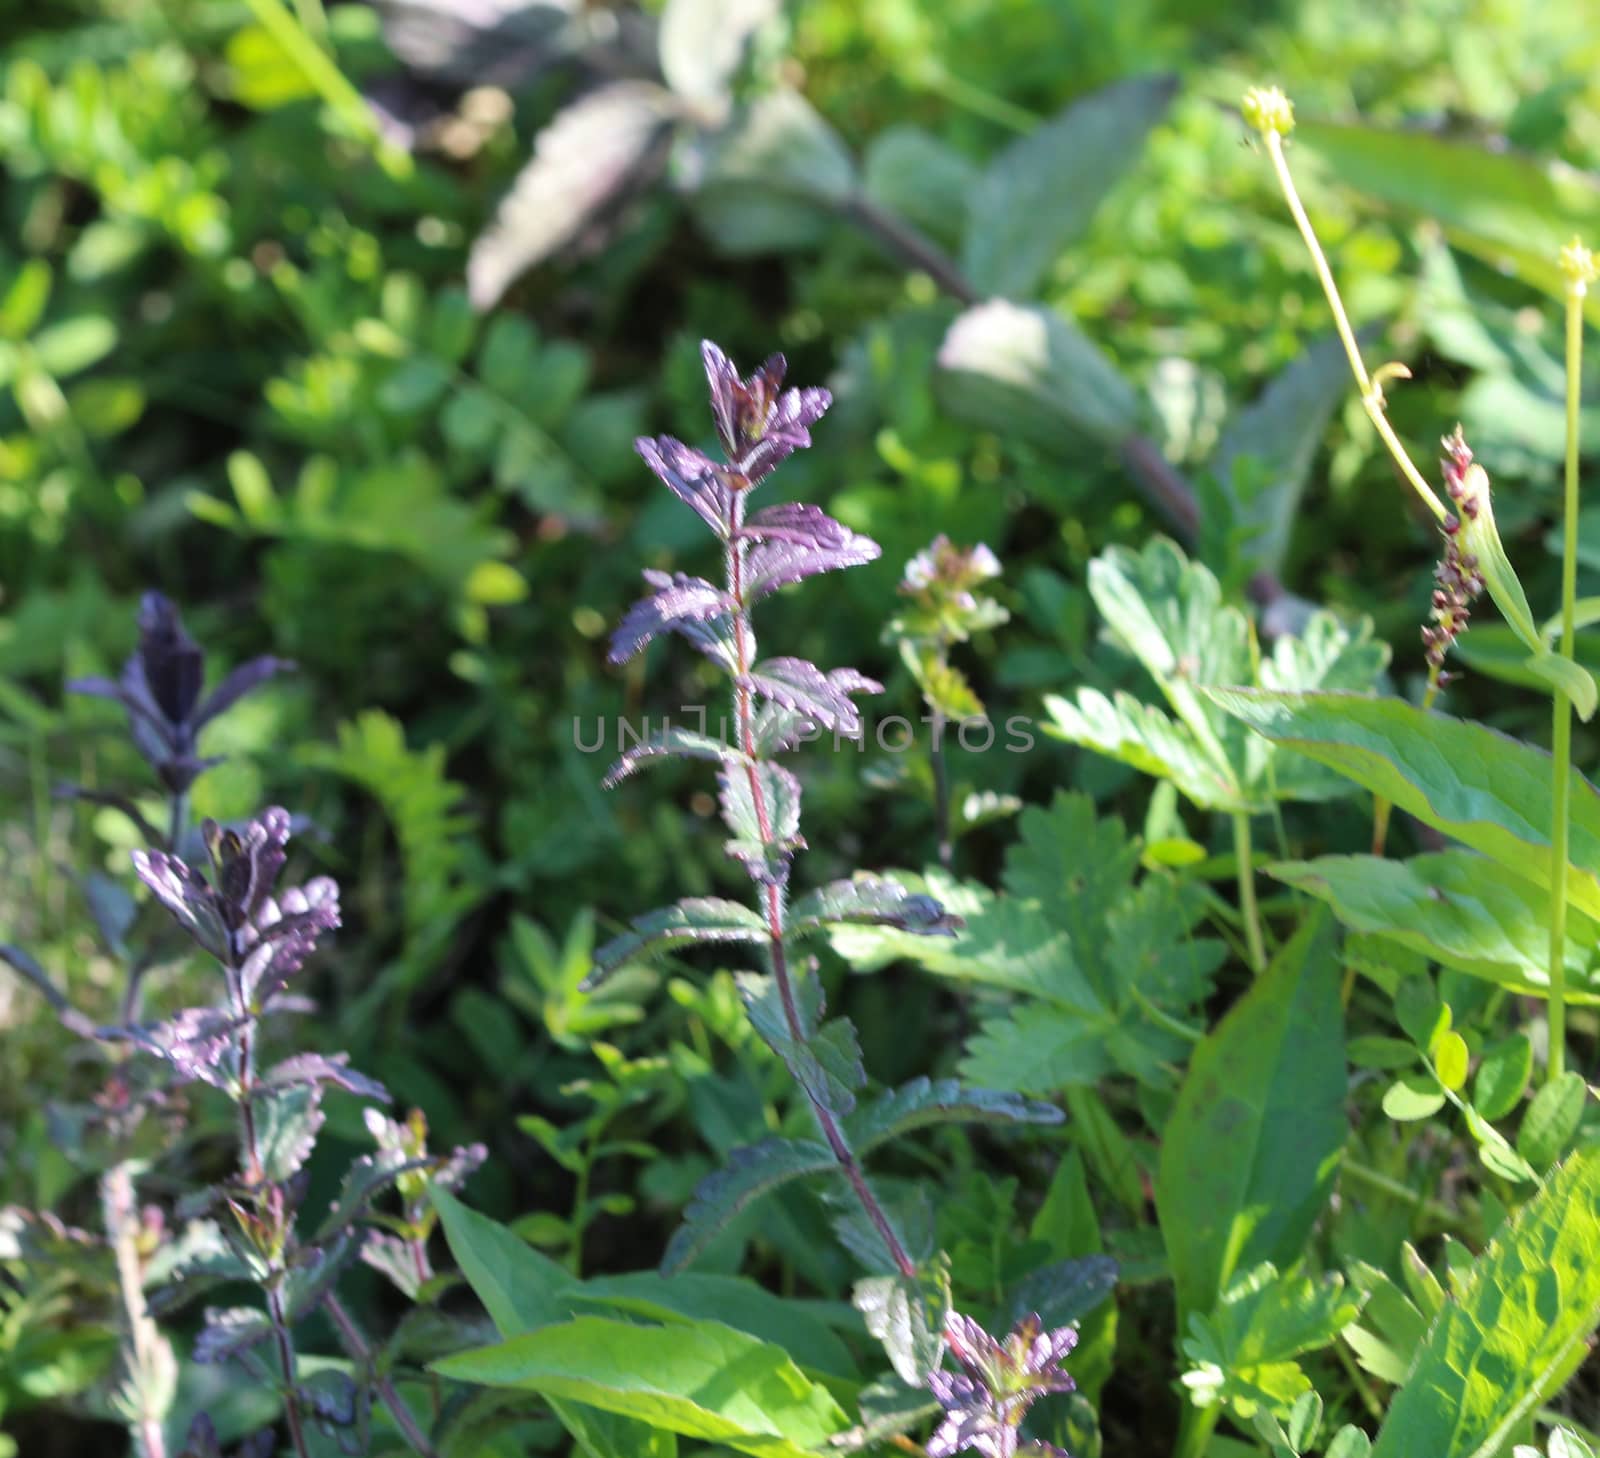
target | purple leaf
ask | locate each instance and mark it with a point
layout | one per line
(686, 743)
(196, 1043)
(170, 666)
(696, 919)
(681, 603)
(866, 900)
(822, 698)
(246, 863)
(692, 477)
(186, 895)
(759, 427)
(797, 540)
(332, 1069)
(229, 1332)
(244, 679)
(287, 1125)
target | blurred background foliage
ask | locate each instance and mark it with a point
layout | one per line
(283, 334)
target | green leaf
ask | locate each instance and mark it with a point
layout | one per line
(1488, 791)
(921, 177)
(288, 1124)
(1169, 614)
(1457, 908)
(1377, 1052)
(771, 179)
(1249, 1153)
(1514, 1333)
(1037, 196)
(907, 1314)
(1026, 373)
(1503, 1074)
(1450, 1061)
(750, 1172)
(1413, 1096)
(867, 900)
(1391, 1328)
(519, 1288)
(1552, 1119)
(1244, 1349)
(1349, 1442)
(1569, 678)
(1274, 440)
(1507, 209)
(925, 1102)
(25, 299)
(74, 344)
(697, 1378)
(732, 1300)
(824, 1058)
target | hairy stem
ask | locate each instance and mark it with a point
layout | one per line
(146, 1345)
(1371, 389)
(361, 1353)
(1249, 911)
(1561, 735)
(773, 900)
(941, 791)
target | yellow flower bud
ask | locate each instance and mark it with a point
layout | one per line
(1267, 109)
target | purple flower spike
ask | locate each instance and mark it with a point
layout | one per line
(760, 424)
(237, 918)
(160, 688)
(986, 1402)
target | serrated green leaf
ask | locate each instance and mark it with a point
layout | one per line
(694, 919)
(1514, 1333)
(1488, 791)
(925, 1102)
(750, 1172)
(1249, 1153)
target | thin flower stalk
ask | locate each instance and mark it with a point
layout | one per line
(1579, 269)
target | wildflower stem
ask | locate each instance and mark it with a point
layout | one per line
(1371, 389)
(1249, 911)
(144, 1338)
(361, 1353)
(941, 791)
(773, 900)
(1561, 733)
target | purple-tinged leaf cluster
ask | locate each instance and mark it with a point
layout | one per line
(986, 1401)
(160, 687)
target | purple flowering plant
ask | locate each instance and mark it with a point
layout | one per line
(779, 702)
(247, 1228)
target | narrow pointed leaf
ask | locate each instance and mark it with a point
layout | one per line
(696, 919)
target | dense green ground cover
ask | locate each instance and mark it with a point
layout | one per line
(273, 341)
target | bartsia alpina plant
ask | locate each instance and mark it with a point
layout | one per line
(985, 1403)
(160, 687)
(777, 703)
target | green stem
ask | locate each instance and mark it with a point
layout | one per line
(1248, 910)
(1371, 389)
(1561, 735)
(1195, 1430)
(1377, 1180)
